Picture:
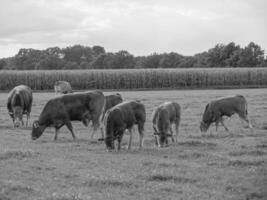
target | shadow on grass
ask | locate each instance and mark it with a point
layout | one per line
(175, 179)
(9, 191)
(242, 163)
(248, 153)
(98, 183)
(20, 155)
(262, 146)
(196, 143)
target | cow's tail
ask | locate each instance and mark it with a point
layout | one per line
(103, 111)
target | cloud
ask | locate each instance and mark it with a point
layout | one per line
(141, 27)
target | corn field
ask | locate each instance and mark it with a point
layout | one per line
(138, 78)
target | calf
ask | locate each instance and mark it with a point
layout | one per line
(121, 117)
(215, 110)
(62, 87)
(166, 115)
(19, 102)
(62, 110)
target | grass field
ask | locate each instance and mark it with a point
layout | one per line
(211, 166)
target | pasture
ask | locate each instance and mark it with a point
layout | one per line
(215, 165)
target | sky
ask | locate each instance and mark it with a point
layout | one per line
(141, 27)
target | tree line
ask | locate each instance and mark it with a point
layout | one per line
(84, 57)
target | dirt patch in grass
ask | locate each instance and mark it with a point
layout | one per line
(98, 183)
(196, 143)
(255, 195)
(20, 155)
(9, 191)
(262, 146)
(242, 163)
(175, 179)
(248, 153)
(194, 155)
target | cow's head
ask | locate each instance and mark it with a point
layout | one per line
(161, 138)
(17, 116)
(207, 118)
(37, 130)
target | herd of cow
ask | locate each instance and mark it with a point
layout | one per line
(113, 115)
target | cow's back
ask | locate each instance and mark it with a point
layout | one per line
(73, 106)
(230, 105)
(131, 112)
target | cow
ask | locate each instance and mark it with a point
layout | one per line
(217, 109)
(60, 111)
(19, 102)
(62, 87)
(110, 101)
(163, 118)
(121, 117)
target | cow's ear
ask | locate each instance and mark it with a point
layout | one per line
(36, 124)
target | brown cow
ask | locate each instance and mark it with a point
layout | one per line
(215, 110)
(62, 87)
(121, 117)
(60, 111)
(19, 102)
(166, 115)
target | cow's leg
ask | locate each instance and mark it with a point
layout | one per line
(176, 131)
(102, 132)
(95, 124)
(57, 130)
(245, 118)
(28, 116)
(56, 133)
(171, 131)
(141, 134)
(69, 126)
(216, 124)
(130, 139)
(120, 139)
(222, 122)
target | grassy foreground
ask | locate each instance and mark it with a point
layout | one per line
(200, 166)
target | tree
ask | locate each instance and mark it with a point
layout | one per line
(123, 60)
(3, 63)
(97, 50)
(251, 56)
(170, 60)
(78, 54)
(28, 59)
(152, 61)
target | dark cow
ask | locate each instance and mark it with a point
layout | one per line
(62, 87)
(166, 115)
(19, 102)
(111, 101)
(62, 110)
(121, 117)
(215, 111)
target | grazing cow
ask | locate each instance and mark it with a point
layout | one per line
(60, 111)
(62, 87)
(215, 110)
(121, 117)
(166, 115)
(19, 102)
(111, 101)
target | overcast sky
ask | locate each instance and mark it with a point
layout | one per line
(138, 26)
